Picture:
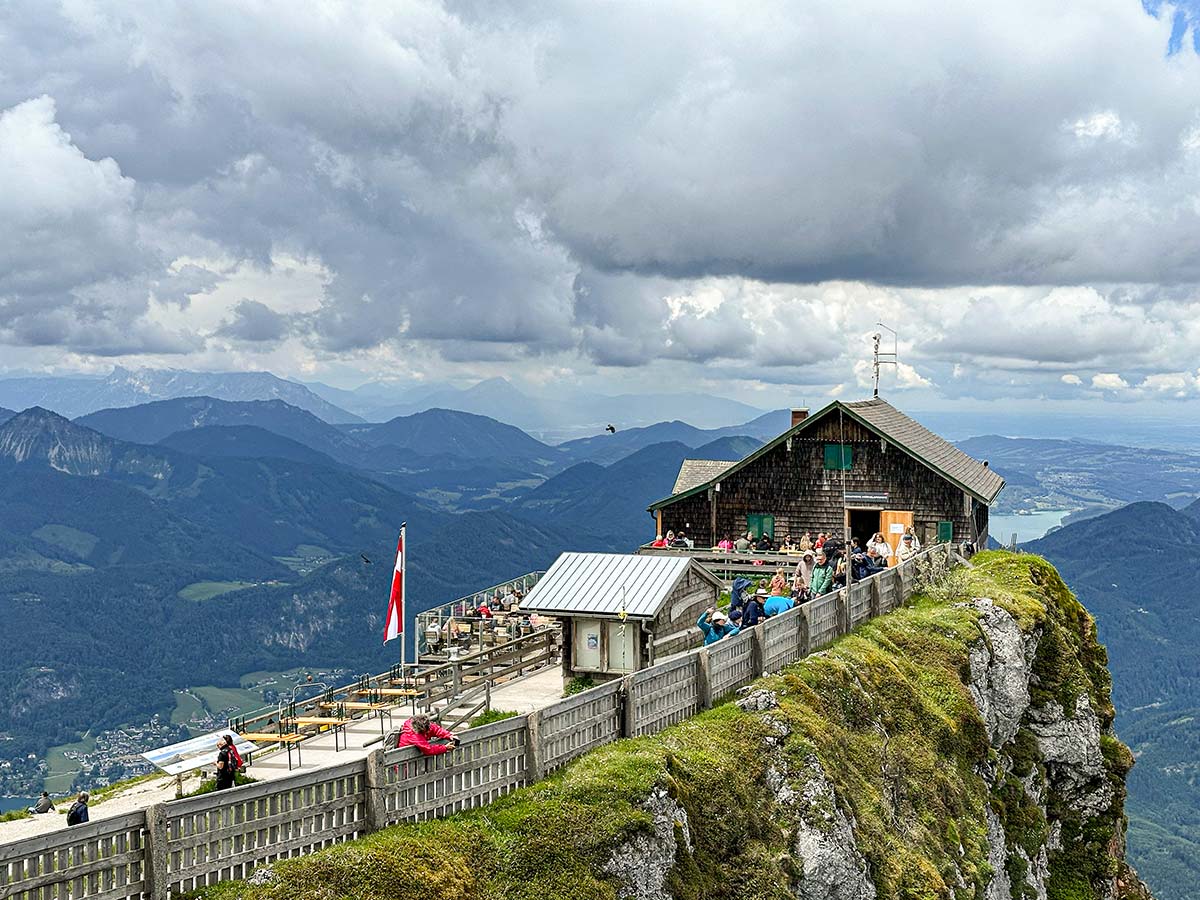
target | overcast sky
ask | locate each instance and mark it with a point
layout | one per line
(624, 195)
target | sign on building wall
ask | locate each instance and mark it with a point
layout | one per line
(867, 498)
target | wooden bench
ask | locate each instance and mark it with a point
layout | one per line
(287, 740)
(380, 709)
(333, 724)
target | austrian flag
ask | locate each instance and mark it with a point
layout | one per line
(395, 614)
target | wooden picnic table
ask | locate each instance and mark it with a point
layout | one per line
(379, 708)
(387, 692)
(333, 724)
(287, 740)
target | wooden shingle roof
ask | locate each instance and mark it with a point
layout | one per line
(936, 452)
(695, 472)
(889, 423)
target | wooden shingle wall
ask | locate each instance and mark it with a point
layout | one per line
(791, 483)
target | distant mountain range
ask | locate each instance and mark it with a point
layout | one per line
(149, 423)
(556, 417)
(1084, 475)
(450, 459)
(1136, 570)
(608, 448)
(553, 415)
(98, 537)
(245, 441)
(76, 396)
(101, 527)
(609, 502)
(470, 436)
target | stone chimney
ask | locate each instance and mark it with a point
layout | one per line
(799, 415)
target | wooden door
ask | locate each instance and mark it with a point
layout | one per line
(892, 523)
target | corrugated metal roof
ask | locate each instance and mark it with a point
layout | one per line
(695, 472)
(934, 451)
(592, 583)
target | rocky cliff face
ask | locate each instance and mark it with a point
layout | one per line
(960, 748)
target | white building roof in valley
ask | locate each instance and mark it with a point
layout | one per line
(601, 584)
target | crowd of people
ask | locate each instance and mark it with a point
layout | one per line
(497, 614)
(824, 565)
(908, 546)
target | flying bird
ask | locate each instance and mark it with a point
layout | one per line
(363, 556)
(611, 429)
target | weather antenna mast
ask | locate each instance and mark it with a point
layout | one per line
(883, 358)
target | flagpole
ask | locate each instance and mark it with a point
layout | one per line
(403, 610)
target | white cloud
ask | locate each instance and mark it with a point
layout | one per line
(1105, 124)
(1109, 381)
(473, 187)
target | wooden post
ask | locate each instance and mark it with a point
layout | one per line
(758, 650)
(877, 594)
(628, 708)
(534, 752)
(705, 684)
(157, 854)
(842, 599)
(375, 785)
(805, 647)
(456, 674)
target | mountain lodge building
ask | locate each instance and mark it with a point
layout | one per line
(862, 466)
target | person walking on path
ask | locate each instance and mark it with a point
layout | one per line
(421, 731)
(225, 766)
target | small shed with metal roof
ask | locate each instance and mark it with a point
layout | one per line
(622, 612)
(859, 467)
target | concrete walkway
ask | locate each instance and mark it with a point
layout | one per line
(361, 737)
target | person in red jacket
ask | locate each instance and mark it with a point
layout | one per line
(418, 731)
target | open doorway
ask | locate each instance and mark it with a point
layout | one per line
(863, 524)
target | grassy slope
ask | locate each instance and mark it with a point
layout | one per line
(884, 710)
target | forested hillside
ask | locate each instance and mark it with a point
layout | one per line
(96, 562)
(1136, 570)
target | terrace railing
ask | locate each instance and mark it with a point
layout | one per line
(176, 846)
(454, 625)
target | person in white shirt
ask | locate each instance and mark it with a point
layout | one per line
(881, 547)
(916, 541)
(907, 549)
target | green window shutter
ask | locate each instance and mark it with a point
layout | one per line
(758, 525)
(839, 457)
(945, 532)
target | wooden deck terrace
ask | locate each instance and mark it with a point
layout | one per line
(730, 564)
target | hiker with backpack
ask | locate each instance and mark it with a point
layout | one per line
(78, 813)
(225, 762)
(239, 764)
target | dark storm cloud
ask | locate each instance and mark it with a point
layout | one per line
(255, 322)
(616, 181)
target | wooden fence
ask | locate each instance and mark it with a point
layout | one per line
(184, 844)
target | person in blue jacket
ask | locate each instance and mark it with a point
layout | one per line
(753, 612)
(715, 625)
(777, 604)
